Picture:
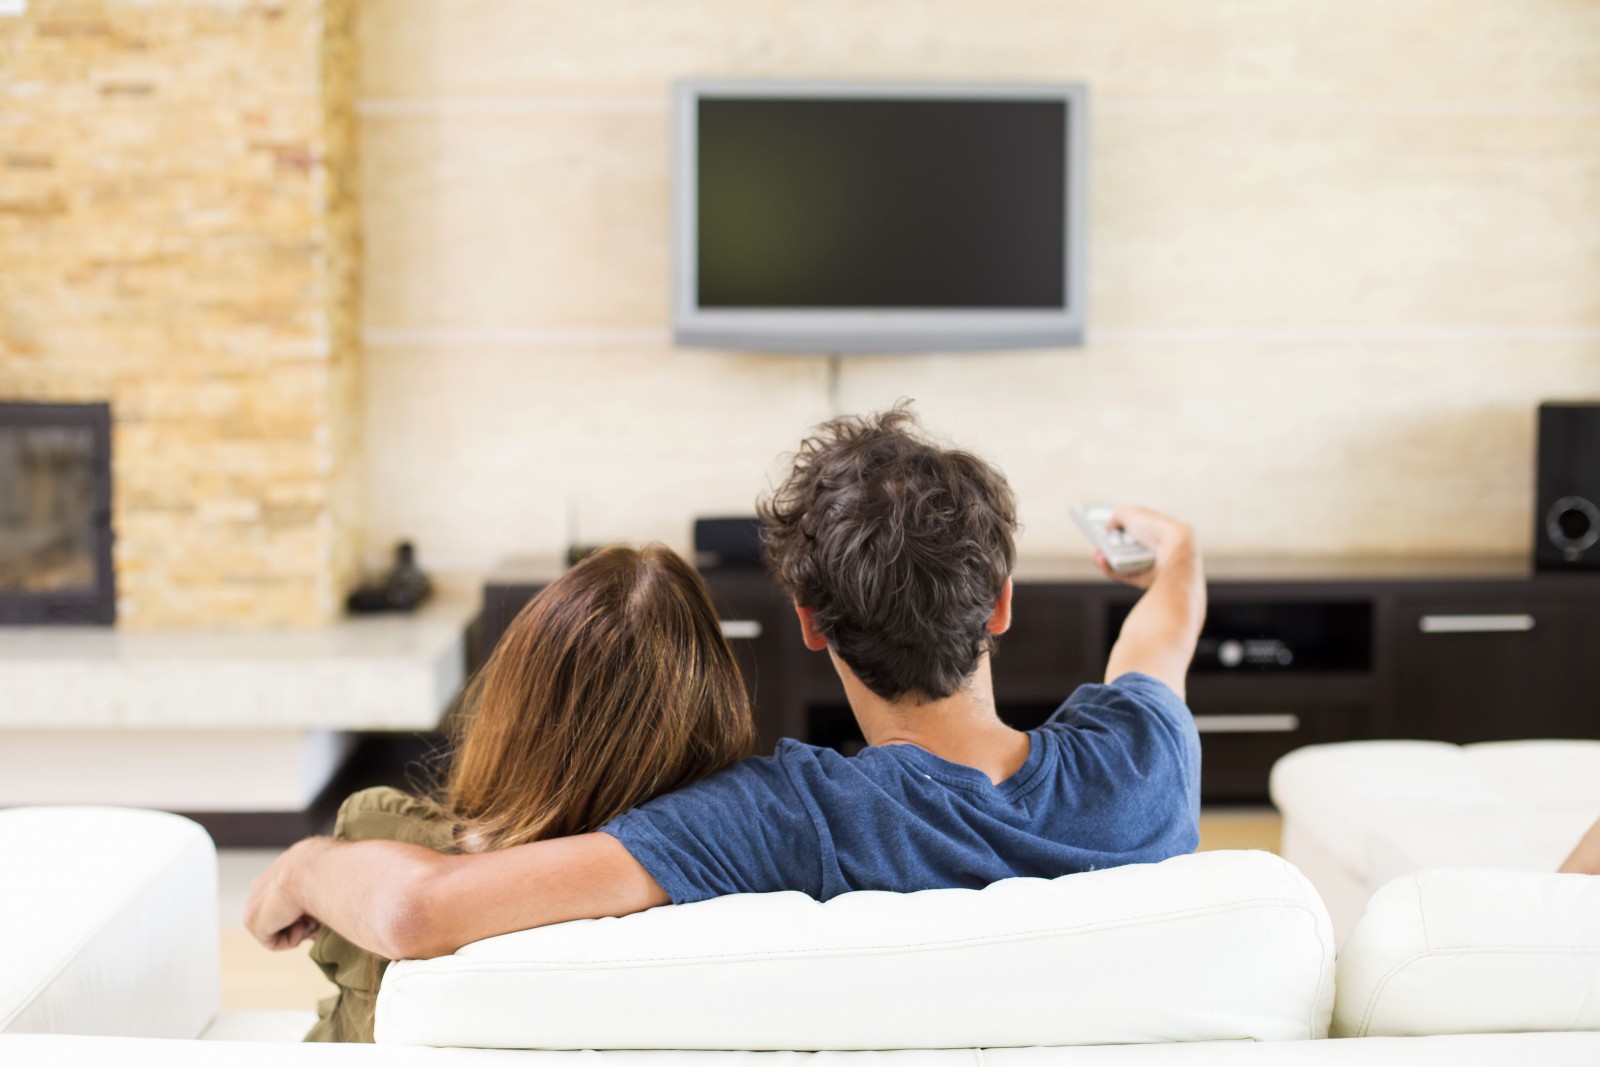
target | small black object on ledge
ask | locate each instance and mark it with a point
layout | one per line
(404, 588)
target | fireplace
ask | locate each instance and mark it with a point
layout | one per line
(55, 514)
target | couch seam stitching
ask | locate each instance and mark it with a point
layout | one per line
(1377, 989)
(1322, 973)
(1422, 913)
(1462, 950)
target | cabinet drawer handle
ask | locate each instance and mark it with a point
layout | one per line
(741, 629)
(1475, 624)
(1247, 724)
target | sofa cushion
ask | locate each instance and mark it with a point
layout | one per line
(109, 923)
(260, 1025)
(1473, 952)
(1220, 945)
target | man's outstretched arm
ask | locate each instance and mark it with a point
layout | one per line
(407, 902)
(1158, 637)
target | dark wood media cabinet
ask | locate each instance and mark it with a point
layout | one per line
(1320, 650)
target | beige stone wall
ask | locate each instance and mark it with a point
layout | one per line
(1339, 250)
(178, 235)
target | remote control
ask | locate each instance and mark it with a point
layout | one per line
(1124, 553)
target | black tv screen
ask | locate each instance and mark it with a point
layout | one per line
(881, 203)
(835, 217)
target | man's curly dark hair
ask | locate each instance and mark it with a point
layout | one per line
(899, 547)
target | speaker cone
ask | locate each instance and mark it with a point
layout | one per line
(1573, 525)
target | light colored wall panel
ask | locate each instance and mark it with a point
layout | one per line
(1344, 51)
(543, 220)
(1339, 253)
(1301, 448)
(485, 448)
(1322, 219)
(1214, 219)
(1269, 447)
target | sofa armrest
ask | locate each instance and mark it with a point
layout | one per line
(1473, 952)
(109, 923)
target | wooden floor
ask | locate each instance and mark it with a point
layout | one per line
(1260, 828)
(252, 977)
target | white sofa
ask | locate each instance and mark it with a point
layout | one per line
(1359, 814)
(1214, 958)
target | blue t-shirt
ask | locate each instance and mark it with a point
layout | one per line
(1112, 778)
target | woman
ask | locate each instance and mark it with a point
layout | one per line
(613, 685)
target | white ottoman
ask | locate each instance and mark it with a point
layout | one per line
(108, 917)
(1359, 814)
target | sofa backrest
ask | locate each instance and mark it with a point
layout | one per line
(1219, 945)
(1473, 952)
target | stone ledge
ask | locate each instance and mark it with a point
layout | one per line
(373, 673)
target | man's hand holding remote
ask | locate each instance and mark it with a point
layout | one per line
(1159, 635)
(1164, 536)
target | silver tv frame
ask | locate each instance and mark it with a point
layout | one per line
(831, 331)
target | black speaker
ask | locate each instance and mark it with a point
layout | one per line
(1566, 510)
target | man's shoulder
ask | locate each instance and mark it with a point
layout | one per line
(1129, 691)
(1134, 713)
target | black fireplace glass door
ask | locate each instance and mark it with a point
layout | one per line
(55, 534)
(47, 511)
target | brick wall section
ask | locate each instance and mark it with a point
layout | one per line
(179, 236)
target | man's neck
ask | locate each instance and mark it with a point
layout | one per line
(962, 728)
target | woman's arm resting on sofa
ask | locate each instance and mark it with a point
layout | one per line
(1585, 859)
(408, 902)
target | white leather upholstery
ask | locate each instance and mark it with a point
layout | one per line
(108, 923)
(1343, 892)
(1473, 952)
(1359, 814)
(260, 1025)
(1487, 1050)
(1212, 946)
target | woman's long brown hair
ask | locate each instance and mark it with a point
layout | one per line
(613, 685)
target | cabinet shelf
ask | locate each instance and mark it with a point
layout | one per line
(1363, 662)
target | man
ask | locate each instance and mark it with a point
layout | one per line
(898, 555)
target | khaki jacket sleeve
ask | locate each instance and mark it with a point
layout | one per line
(371, 814)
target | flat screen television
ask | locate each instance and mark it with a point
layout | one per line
(861, 217)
